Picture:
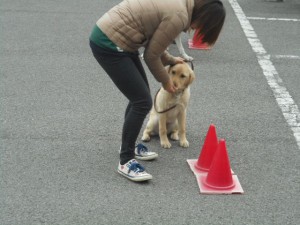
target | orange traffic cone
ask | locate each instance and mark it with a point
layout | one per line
(208, 151)
(219, 176)
(197, 43)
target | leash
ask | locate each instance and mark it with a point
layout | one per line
(192, 65)
(163, 111)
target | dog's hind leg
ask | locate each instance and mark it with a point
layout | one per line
(151, 127)
(147, 132)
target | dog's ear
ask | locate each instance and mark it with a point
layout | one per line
(169, 67)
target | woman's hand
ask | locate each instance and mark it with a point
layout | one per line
(179, 60)
(169, 86)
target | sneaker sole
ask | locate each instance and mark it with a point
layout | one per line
(137, 179)
(146, 158)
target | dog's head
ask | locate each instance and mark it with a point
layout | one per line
(182, 75)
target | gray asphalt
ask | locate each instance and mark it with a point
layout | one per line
(61, 120)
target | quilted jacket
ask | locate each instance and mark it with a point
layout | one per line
(152, 24)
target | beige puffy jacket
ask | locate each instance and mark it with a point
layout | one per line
(152, 24)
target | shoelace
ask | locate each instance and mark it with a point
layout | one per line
(136, 167)
(141, 148)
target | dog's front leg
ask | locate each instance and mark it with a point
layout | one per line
(164, 141)
(182, 129)
(181, 49)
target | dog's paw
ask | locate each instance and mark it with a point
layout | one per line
(165, 144)
(174, 136)
(187, 57)
(184, 144)
(146, 137)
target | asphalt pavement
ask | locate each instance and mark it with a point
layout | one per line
(61, 121)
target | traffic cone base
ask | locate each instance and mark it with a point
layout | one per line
(200, 46)
(205, 189)
(193, 166)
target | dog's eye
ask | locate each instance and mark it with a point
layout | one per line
(173, 72)
(182, 76)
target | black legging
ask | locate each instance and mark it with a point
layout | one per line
(127, 72)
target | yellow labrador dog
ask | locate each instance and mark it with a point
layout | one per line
(168, 114)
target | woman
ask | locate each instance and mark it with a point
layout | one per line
(152, 24)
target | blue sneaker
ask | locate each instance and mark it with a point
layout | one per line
(134, 171)
(142, 153)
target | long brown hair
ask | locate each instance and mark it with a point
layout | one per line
(208, 18)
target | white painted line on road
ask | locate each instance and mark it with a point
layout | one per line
(274, 19)
(285, 101)
(286, 56)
